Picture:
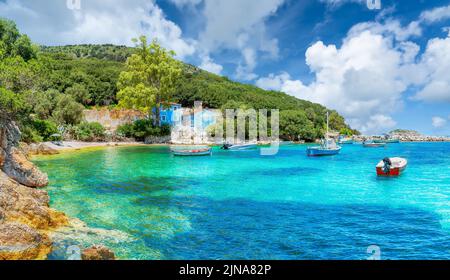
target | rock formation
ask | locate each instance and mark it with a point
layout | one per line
(97, 253)
(25, 216)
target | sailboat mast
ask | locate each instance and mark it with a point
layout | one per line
(328, 123)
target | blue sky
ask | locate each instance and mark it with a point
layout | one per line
(381, 68)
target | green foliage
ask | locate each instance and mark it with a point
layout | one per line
(12, 43)
(149, 79)
(11, 104)
(79, 93)
(29, 134)
(87, 132)
(141, 129)
(103, 52)
(68, 111)
(44, 128)
(295, 125)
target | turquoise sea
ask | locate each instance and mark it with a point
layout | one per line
(240, 205)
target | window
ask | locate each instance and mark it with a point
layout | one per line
(163, 118)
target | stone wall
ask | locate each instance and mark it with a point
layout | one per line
(112, 119)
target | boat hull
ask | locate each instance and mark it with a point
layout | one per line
(346, 142)
(375, 145)
(317, 152)
(394, 171)
(191, 154)
(242, 147)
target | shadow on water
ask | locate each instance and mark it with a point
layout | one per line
(246, 229)
(145, 184)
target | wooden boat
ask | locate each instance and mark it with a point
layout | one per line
(191, 151)
(391, 166)
(231, 147)
(345, 141)
(387, 141)
(374, 145)
(328, 147)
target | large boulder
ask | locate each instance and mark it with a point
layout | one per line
(14, 163)
(26, 205)
(19, 168)
(22, 242)
(97, 253)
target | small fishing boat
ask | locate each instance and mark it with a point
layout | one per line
(387, 141)
(374, 145)
(328, 146)
(191, 151)
(391, 166)
(345, 141)
(231, 147)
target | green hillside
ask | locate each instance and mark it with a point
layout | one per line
(53, 84)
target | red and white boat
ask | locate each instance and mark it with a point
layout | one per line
(391, 166)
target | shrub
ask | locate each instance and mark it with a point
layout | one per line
(68, 111)
(30, 135)
(88, 132)
(140, 129)
(45, 128)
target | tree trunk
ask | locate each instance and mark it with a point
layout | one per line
(158, 112)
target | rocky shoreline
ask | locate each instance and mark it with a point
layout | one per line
(27, 223)
(25, 215)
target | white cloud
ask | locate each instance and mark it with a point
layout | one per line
(436, 62)
(362, 79)
(282, 82)
(184, 3)
(209, 65)
(105, 21)
(438, 122)
(240, 25)
(435, 15)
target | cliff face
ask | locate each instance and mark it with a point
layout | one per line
(25, 216)
(112, 119)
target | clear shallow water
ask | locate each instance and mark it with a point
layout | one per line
(240, 205)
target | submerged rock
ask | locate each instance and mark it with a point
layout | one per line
(97, 253)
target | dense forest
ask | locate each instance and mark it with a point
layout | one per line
(47, 87)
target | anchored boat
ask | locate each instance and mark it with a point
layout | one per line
(191, 151)
(391, 167)
(328, 146)
(345, 141)
(374, 145)
(231, 147)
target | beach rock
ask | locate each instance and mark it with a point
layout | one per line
(97, 253)
(22, 242)
(19, 168)
(37, 149)
(26, 205)
(2, 157)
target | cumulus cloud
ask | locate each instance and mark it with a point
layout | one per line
(184, 3)
(365, 78)
(209, 65)
(98, 21)
(436, 62)
(438, 122)
(435, 15)
(362, 79)
(240, 25)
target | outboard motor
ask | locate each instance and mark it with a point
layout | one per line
(387, 165)
(226, 146)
